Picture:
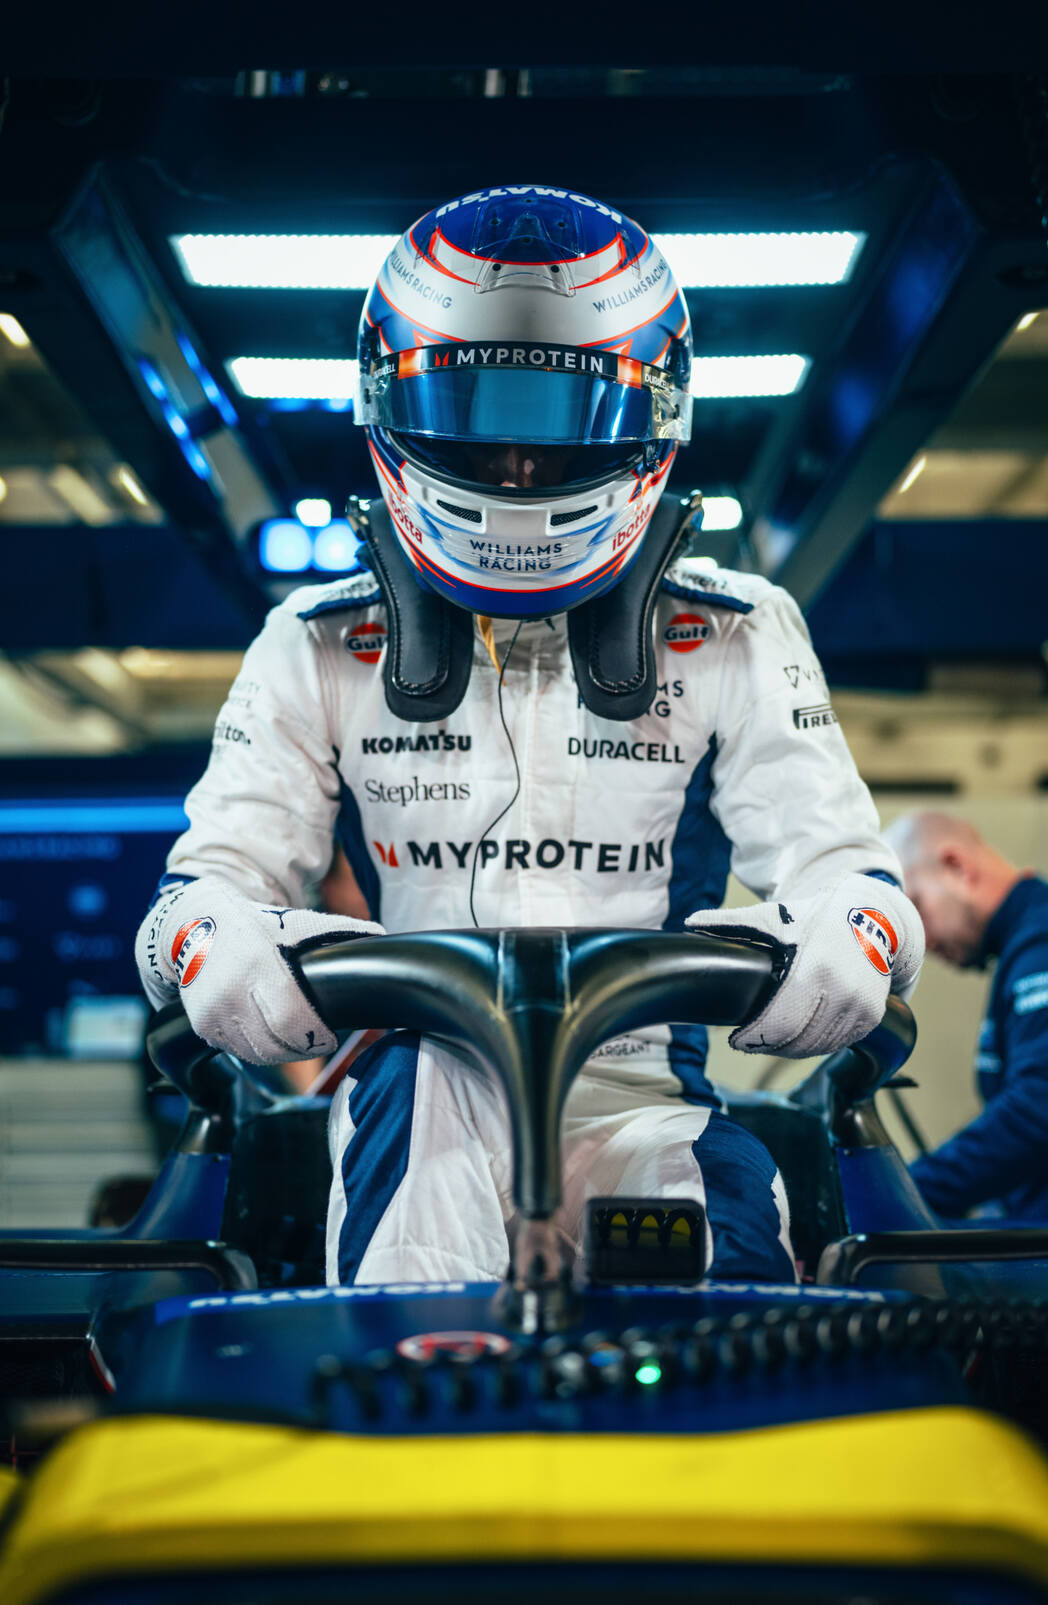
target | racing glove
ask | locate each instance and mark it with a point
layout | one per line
(232, 962)
(841, 951)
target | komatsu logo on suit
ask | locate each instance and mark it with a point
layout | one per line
(606, 858)
(436, 741)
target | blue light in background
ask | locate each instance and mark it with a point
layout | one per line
(152, 379)
(174, 419)
(221, 402)
(285, 546)
(87, 899)
(335, 547)
(79, 817)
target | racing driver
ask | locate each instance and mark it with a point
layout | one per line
(525, 711)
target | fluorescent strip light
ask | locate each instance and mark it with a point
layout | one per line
(13, 330)
(352, 261)
(125, 480)
(720, 512)
(743, 261)
(713, 377)
(335, 378)
(282, 261)
(918, 468)
(84, 500)
(1025, 322)
(296, 378)
(3, 489)
(314, 511)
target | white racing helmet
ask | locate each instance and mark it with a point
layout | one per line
(525, 357)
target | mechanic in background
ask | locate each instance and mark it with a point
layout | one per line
(977, 906)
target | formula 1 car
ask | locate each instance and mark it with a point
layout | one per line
(217, 1423)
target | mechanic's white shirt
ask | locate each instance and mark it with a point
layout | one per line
(617, 824)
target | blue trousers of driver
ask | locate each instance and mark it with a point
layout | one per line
(422, 1187)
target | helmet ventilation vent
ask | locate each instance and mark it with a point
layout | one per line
(557, 519)
(471, 514)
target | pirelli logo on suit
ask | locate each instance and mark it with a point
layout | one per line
(811, 718)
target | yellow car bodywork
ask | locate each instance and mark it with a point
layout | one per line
(941, 1488)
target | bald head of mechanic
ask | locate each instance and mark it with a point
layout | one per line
(956, 880)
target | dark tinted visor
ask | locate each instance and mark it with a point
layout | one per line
(527, 464)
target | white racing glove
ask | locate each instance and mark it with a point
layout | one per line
(844, 949)
(232, 963)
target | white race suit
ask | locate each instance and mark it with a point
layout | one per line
(738, 761)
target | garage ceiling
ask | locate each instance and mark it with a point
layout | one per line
(926, 396)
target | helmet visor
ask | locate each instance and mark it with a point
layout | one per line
(526, 393)
(518, 466)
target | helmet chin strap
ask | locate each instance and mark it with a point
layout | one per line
(430, 652)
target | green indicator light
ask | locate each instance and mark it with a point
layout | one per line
(647, 1374)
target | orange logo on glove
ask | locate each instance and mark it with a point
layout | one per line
(190, 948)
(876, 936)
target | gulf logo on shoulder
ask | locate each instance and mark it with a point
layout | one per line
(366, 642)
(876, 936)
(190, 948)
(685, 632)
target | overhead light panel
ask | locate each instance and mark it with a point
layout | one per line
(752, 261)
(282, 261)
(3, 489)
(334, 379)
(352, 261)
(79, 495)
(1025, 321)
(774, 375)
(13, 330)
(295, 378)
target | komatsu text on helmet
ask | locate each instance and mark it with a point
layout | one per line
(525, 359)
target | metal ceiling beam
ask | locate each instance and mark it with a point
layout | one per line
(132, 39)
(944, 298)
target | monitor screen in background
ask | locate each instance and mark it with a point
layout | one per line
(75, 879)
